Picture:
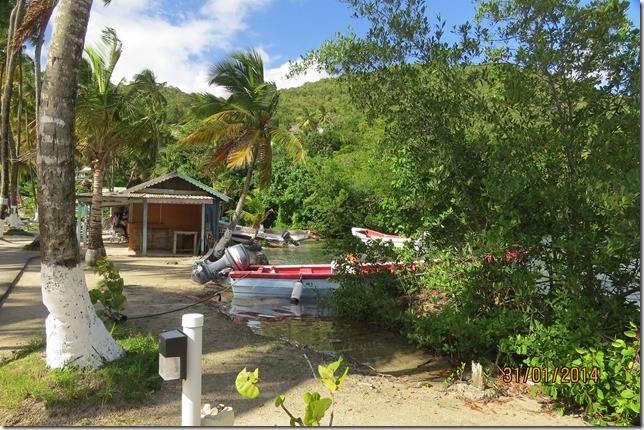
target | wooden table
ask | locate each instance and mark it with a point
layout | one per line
(185, 233)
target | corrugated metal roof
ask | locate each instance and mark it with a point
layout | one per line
(150, 197)
(177, 174)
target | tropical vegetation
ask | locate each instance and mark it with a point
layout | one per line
(515, 147)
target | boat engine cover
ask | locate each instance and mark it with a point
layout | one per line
(235, 257)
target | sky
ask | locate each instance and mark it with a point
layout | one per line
(180, 39)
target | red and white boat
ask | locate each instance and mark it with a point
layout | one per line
(312, 280)
(366, 235)
(294, 281)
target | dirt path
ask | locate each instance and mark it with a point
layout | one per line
(157, 284)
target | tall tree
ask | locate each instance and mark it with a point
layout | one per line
(12, 54)
(101, 127)
(243, 126)
(33, 27)
(150, 130)
(75, 335)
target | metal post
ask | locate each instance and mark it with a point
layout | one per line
(144, 233)
(203, 231)
(191, 386)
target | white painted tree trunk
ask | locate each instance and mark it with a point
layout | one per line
(75, 335)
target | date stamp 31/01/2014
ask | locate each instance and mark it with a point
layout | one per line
(545, 375)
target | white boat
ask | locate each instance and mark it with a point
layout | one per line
(294, 281)
(278, 237)
(367, 236)
(280, 280)
(241, 234)
(246, 235)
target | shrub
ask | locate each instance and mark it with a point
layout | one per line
(109, 291)
(603, 380)
(467, 305)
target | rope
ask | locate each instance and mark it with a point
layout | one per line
(179, 309)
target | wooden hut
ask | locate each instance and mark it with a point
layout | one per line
(173, 212)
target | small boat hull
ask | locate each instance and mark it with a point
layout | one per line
(366, 235)
(279, 281)
(282, 288)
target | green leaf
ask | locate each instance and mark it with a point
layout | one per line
(315, 411)
(279, 400)
(628, 394)
(95, 296)
(334, 366)
(246, 383)
(325, 372)
(619, 343)
(118, 301)
(311, 397)
(341, 378)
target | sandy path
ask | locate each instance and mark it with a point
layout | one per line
(157, 284)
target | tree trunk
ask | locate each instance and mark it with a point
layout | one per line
(40, 39)
(13, 169)
(95, 245)
(16, 16)
(74, 334)
(221, 245)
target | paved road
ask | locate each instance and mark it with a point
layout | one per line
(21, 310)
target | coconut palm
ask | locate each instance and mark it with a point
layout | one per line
(255, 211)
(101, 128)
(242, 126)
(150, 131)
(12, 53)
(75, 335)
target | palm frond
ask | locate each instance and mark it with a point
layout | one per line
(289, 142)
(35, 20)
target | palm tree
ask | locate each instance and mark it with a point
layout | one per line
(254, 212)
(100, 126)
(12, 52)
(75, 335)
(243, 126)
(150, 131)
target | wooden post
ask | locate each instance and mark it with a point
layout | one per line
(477, 376)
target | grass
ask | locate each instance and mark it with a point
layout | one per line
(135, 376)
(17, 232)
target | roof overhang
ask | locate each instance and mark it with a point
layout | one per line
(120, 199)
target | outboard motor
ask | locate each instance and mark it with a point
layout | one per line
(288, 239)
(235, 257)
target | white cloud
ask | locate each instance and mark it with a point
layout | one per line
(278, 75)
(174, 51)
(181, 44)
(229, 15)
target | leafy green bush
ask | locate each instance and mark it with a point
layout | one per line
(467, 305)
(109, 291)
(375, 296)
(604, 380)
